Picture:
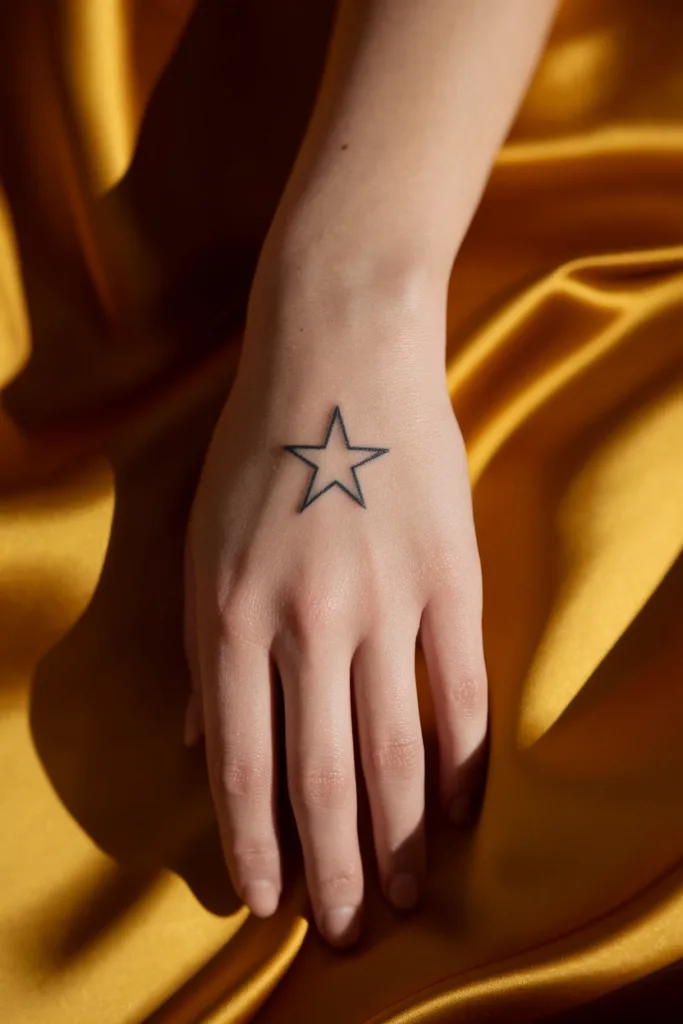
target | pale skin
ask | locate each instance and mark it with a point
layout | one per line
(348, 308)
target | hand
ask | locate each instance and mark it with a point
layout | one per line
(329, 601)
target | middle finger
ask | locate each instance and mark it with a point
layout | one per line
(322, 785)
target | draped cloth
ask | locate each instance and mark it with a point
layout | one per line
(143, 148)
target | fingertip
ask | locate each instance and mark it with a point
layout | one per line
(261, 897)
(341, 926)
(404, 891)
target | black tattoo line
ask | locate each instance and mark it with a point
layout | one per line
(299, 449)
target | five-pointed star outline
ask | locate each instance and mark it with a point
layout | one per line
(305, 452)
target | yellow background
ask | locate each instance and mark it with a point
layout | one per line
(142, 150)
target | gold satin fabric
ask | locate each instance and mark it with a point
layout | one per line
(142, 151)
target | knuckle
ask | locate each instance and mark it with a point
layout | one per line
(451, 584)
(456, 577)
(326, 788)
(245, 779)
(239, 610)
(335, 888)
(400, 757)
(319, 607)
(255, 856)
(466, 697)
(377, 592)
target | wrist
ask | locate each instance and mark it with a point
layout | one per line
(361, 331)
(328, 315)
(370, 246)
(304, 281)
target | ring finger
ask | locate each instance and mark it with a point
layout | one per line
(392, 754)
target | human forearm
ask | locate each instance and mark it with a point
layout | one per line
(416, 98)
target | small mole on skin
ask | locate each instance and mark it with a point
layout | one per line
(345, 145)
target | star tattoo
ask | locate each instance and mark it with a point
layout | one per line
(334, 462)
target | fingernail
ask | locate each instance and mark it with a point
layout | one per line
(341, 925)
(403, 891)
(261, 897)
(460, 809)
